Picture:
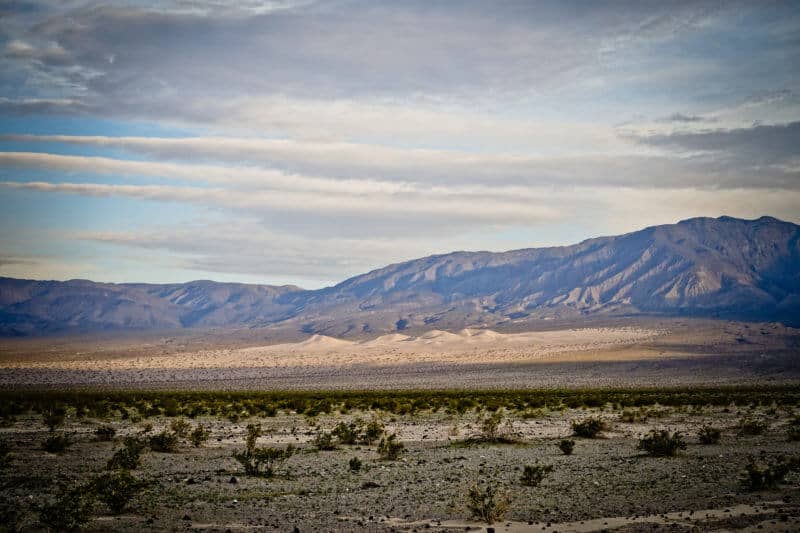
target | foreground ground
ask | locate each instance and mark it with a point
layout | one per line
(606, 484)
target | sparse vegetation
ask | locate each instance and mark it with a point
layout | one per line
(709, 435)
(105, 433)
(69, 510)
(660, 443)
(358, 432)
(588, 428)
(566, 446)
(389, 448)
(261, 461)
(164, 442)
(759, 476)
(324, 441)
(180, 427)
(116, 489)
(56, 443)
(532, 475)
(486, 504)
(752, 426)
(355, 464)
(199, 435)
(129, 456)
(793, 431)
(5, 453)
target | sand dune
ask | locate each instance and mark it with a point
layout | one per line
(435, 346)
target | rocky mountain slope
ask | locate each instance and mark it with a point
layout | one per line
(698, 267)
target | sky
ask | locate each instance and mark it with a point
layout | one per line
(303, 142)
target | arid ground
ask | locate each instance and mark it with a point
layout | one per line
(606, 484)
(636, 353)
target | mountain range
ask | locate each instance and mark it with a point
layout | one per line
(701, 267)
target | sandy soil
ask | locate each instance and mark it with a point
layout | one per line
(606, 485)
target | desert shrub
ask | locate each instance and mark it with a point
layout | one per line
(589, 428)
(532, 475)
(5, 453)
(709, 435)
(129, 456)
(793, 431)
(199, 435)
(180, 427)
(358, 432)
(752, 426)
(490, 426)
(165, 442)
(486, 504)
(70, 510)
(147, 427)
(324, 441)
(355, 464)
(659, 443)
(56, 443)
(116, 489)
(53, 416)
(389, 448)
(105, 433)
(261, 461)
(767, 476)
(566, 446)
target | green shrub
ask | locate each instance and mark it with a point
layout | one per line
(358, 432)
(588, 428)
(323, 441)
(389, 448)
(752, 426)
(661, 443)
(486, 504)
(793, 431)
(709, 435)
(261, 461)
(355, 464)
(532, 475)
(490, 426)
(165, 442)
(116, 489)
(180, 427)
(129, 456)
(566, 446)
(767, 476)
(70, 510)
(199, 435)
(53, 417)
(5, 453)
(56, 443)
(105, 433)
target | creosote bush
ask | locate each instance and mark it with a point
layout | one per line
(180, 427)
(261, 461)
(566, 446)
(389, 448)
(709, 435)
(116, 489)
(486, 504)
(588, 428)
(5, 453)
(199, 435)
(70, 510)
(56, 443)
(323, 441)
(767, 476)
(105, 433)
(660, 443)
(355, 464)
(164, 442)
(752, 426)
(129, 456)
(793, 431)
(532, 475)
(358, 432)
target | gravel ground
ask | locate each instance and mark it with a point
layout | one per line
(606, 484)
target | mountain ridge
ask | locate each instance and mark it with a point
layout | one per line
(708, 267)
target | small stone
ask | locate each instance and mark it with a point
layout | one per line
(233, 480)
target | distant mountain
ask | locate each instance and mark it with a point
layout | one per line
(722, 267)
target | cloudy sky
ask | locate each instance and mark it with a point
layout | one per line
(294, 141)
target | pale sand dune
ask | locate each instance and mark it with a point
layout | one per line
(470, 346)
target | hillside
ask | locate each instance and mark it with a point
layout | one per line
(706, 267)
